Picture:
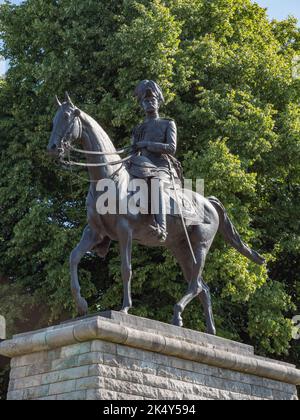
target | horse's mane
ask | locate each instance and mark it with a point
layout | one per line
(100, 137)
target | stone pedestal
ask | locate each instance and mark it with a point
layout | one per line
(119, 357)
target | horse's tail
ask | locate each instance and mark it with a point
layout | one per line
(231, 236)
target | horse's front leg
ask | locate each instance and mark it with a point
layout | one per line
(87, 243)
(125, 241)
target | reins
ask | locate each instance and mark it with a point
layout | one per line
(95, 165)
(67, 147)
(117, 152)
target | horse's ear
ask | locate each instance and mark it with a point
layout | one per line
(77, 112)
(68, 99)
(57, 101)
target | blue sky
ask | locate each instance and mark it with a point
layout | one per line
(277, 9)
(280, 9)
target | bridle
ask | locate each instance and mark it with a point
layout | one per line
(66, 149)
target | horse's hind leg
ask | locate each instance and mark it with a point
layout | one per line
(205, 299)
(193, 274)
(88, 241)
(197, 287)
(125, 241)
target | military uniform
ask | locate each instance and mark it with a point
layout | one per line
(161, 136)
(155, 142)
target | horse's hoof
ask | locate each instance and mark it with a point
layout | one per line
(211, 331)
(177, 322)
(125, 310)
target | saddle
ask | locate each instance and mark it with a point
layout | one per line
(141, 167)
(188, 202)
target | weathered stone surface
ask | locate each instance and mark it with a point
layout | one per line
(62, 387)
(151, 368)
(62, 364)
(38, 368)
(20, 372)
(160, 328)
(36, 392)
(75, 338)
(29, 382)
(90, 358)
(69, 396)
(104, 347)
(75, 350)
(15, 395)
(91, 382)
(29, 359)
(167, 330)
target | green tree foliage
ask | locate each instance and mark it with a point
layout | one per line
(227, 74)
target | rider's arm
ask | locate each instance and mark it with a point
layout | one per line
(134, 137)
(170, 146)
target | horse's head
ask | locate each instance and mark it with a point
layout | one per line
(66, 126)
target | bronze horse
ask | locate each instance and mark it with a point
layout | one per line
(73, 125)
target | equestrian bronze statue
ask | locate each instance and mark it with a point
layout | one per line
(152, 156)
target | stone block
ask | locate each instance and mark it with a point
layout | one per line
(126, 375)
(262, 392)
(15, 395)
(75, 350)
(91, 382)
(165, 394)
(100, 394)
(62, 387)
(90, 358)
(62, 364)
(74, 373)
(39, 368)
(29, 359)
(103, 347)
(69, 396)
(36, 392)
(72, 396)
(97, 394)
(27, 382)
(18, 373)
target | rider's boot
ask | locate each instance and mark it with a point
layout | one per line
(161, 217)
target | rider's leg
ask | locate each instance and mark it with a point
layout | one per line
(159, 208)
(161, 217)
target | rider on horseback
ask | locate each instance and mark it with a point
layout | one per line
(156, 143)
